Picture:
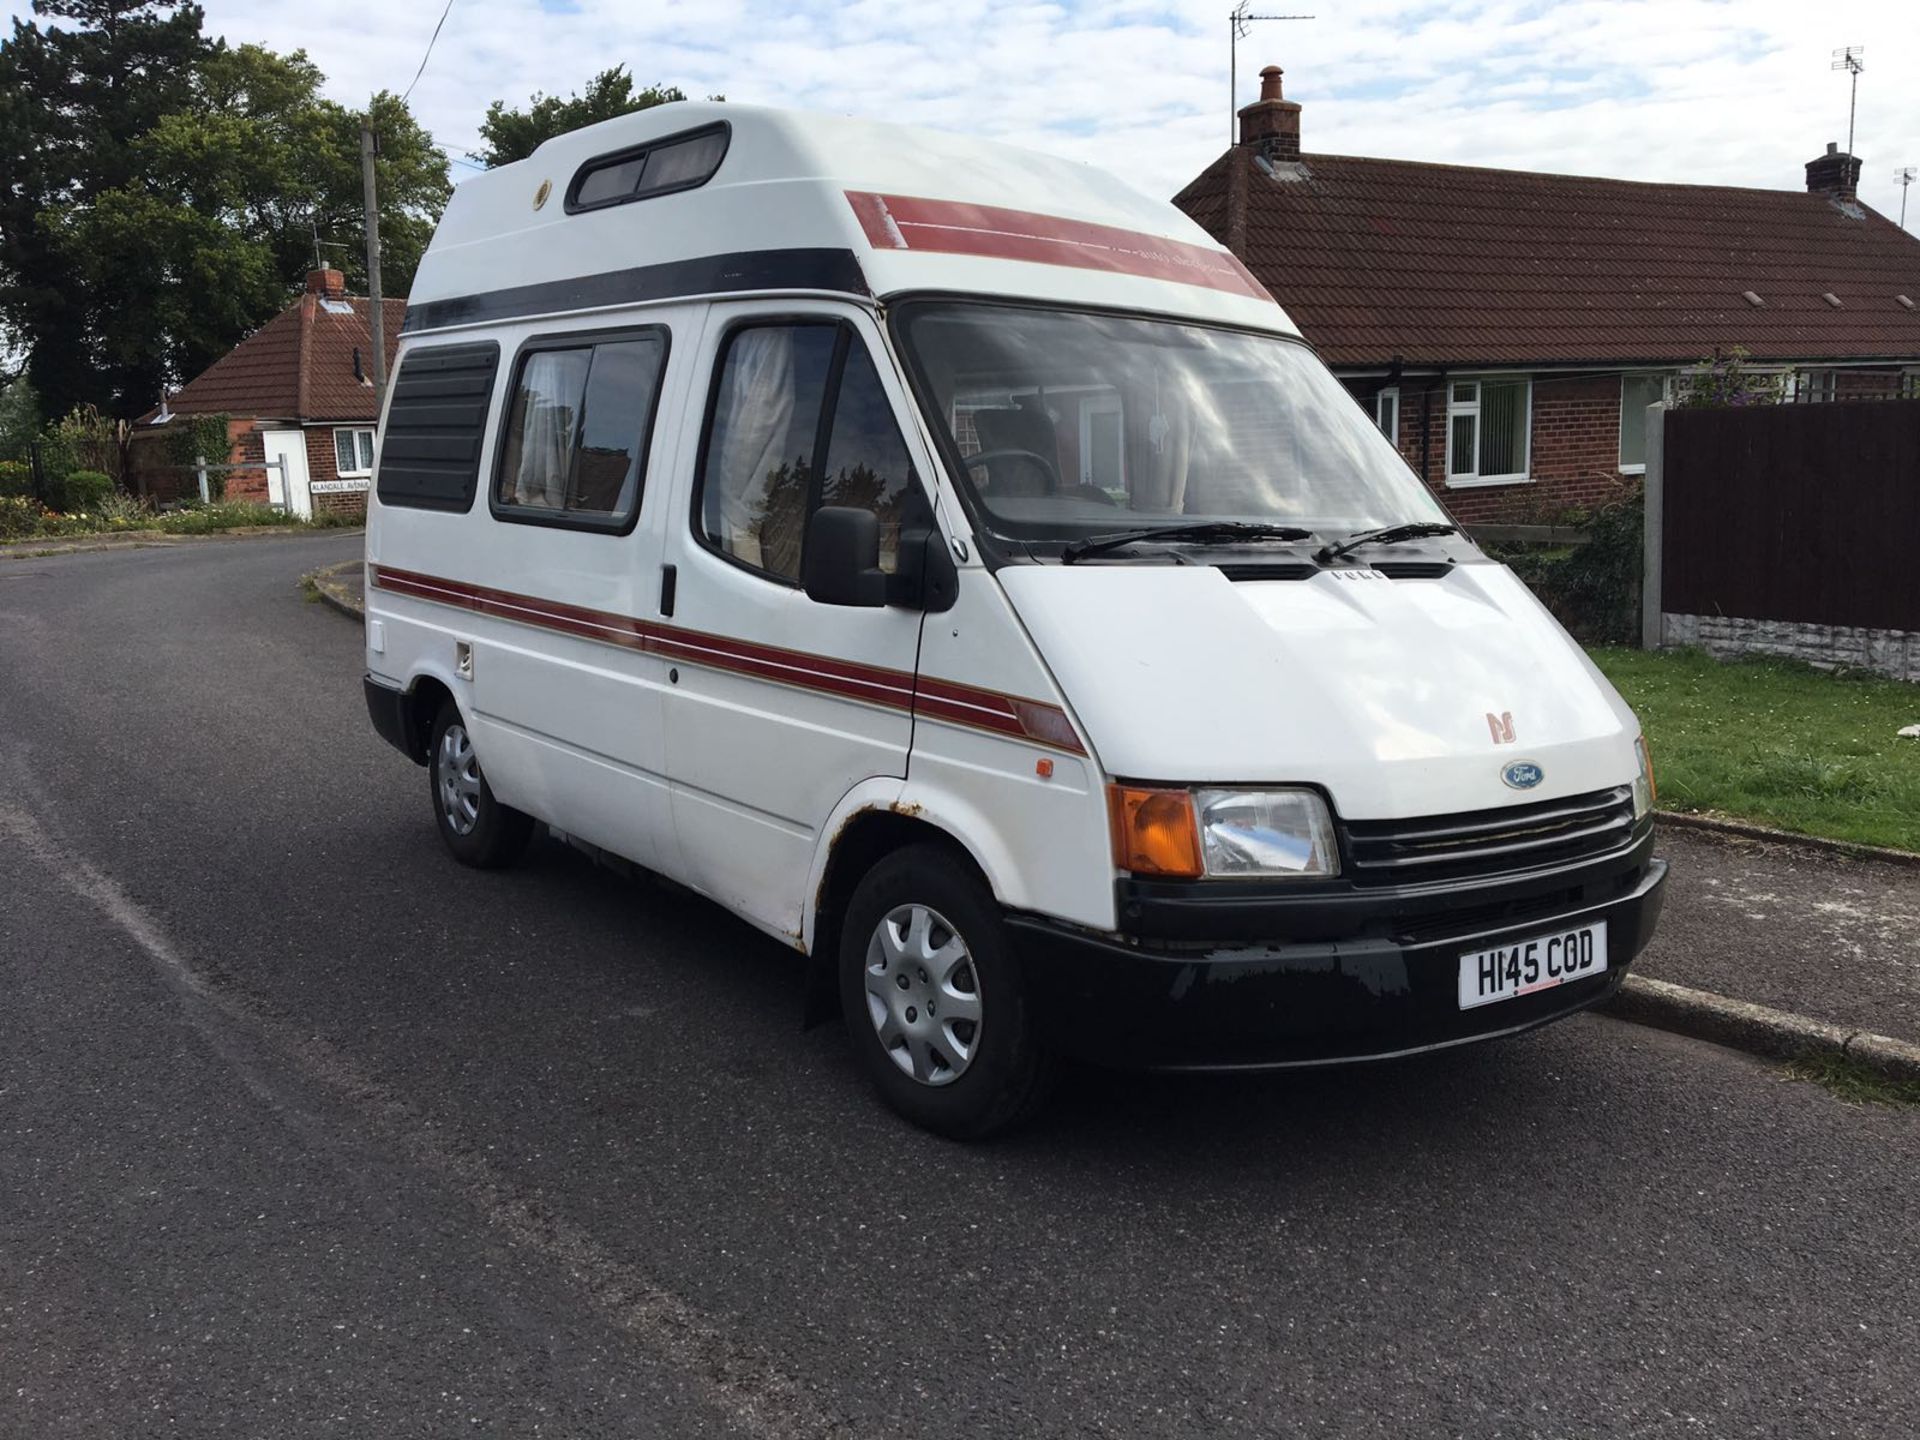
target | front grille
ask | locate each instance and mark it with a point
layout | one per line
(1489, 842)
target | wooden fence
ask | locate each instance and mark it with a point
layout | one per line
(1801, 514)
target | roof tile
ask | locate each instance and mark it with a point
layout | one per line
(1448, 265)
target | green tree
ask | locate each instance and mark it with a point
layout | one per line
(511, 135)
(208, 218)
(19, 418)
(73, 102)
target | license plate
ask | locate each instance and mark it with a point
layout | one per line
(1507, 972)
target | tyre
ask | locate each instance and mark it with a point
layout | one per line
(478, 829)
(934, 999)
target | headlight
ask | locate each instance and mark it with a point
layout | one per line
(1645, 792)
(1265, 832)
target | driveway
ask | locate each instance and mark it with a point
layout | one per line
(305, 1130)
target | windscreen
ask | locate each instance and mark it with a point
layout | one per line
(1072, 425)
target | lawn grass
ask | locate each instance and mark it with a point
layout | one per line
(1778, 742)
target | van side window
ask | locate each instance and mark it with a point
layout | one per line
(758, 462)
(867, 465)
(769, 460)
(435, 424)
(578, 419)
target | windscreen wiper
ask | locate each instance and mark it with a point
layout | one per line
(1204, 532)
(1387, 535)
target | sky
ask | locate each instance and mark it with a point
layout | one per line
(1736, 92)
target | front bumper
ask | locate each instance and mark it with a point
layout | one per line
(1386, 988)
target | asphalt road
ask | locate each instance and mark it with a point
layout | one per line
(305, 1130)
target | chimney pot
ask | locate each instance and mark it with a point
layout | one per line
(1272, 124)
(1833, 147)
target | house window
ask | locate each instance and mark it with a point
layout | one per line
(1386, 413)
(1103, 460)
(352, 452)
(1488, 425)
(1637, 392)
(1815, 386)
(1910, 384)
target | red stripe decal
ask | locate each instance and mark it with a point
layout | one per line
(911, 222)
(943, 700)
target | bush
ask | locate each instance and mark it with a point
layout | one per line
(84, 491)
(20, 517)
(223, 515)
(16, 477)
(1593, 589)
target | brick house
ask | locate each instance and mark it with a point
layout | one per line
(299, 389)
(1508, 329)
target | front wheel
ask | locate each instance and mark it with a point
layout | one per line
(934, 999)
(478, 829)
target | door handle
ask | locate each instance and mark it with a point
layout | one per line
(669, 579)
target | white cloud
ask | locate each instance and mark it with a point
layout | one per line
(1686, 90)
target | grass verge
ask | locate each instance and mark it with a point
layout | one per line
(1778, 742)
(1855, 1083)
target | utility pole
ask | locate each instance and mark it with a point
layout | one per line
(376, 313)
(1237, 22)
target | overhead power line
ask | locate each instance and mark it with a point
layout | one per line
(429, 55)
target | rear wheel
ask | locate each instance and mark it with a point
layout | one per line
(477, 828)
(934, 999)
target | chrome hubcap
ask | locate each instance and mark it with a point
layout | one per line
(457, 772)
(923, 995)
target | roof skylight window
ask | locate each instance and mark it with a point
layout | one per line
(678, 162)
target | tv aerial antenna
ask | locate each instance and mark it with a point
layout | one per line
(1903, 177)
(1852, 59)
(1237, 22)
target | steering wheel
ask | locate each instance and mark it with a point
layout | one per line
(1046, 467)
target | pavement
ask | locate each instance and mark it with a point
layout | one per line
(306, 1130)
(1825, 935)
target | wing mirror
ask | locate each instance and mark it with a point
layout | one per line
(841, 565)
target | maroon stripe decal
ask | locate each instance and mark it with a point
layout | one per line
(914, 222)
(951, 703)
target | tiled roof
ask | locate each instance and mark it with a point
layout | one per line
(1447, 265)
(297, 366)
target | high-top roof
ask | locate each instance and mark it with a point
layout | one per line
(1449, 265)
(823, 203)
(297, 366)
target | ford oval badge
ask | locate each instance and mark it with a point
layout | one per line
(1523, 775)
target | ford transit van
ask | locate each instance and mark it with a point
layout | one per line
(957, 565)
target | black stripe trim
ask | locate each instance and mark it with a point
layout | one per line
(817, 269)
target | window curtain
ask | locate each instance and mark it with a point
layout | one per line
(550, 387)
(753, 431)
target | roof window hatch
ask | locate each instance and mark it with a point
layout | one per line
(661, 167)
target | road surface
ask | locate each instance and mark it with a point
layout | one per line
(305, 1130)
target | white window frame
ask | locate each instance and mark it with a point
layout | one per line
(1385, 401)
(356, 431)
(1473, 479)
(1817, 386)
(1665, 377)
(1910, 384)
(1100, 402)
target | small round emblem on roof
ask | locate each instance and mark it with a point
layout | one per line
(540, 195)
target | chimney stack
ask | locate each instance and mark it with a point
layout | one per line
(1272, 124)
(1834, 174)
(327, 283)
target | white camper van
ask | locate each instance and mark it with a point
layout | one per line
(955, 564)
